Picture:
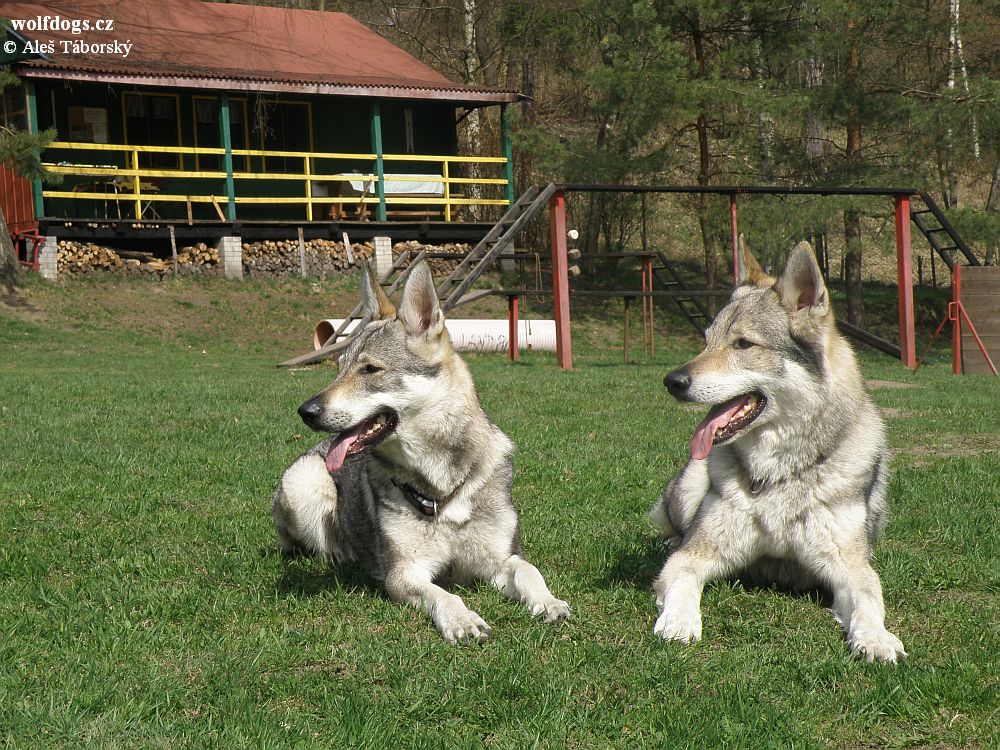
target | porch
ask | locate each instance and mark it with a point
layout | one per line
(108, 182)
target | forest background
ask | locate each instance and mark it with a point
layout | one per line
(731, 92)
(881, 93)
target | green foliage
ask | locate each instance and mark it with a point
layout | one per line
(20, 148)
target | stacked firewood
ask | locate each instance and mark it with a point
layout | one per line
(270, 258)
(200, 254)
(83, 257)
(283, 257)
(439, 266)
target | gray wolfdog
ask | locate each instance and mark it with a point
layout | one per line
(414, 483)
(786, 482)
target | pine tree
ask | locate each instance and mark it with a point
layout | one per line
(21, 150)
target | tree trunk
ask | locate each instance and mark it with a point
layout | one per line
(473, 125)
(708, 237)
(993, 201)
(852, 219)
(852, 268)
(963, 73)
(10, 269)
(711, 243)
(814, 145)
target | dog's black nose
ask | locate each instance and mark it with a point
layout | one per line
(310, 411)
(677, 382)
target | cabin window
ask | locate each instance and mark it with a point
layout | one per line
(152, 120)
(13, 108)
(284, 126)
(206, 132)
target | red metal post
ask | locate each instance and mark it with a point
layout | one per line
(956, 326)
(560, 279)
(512, 327)
(904, 266)
(734, 227)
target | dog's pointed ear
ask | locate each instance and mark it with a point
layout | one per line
(375, 304)
(750, 270)
(801, 284)
(419, 310)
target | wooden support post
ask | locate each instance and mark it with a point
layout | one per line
(302, 253)
(560, 279)
(956, 325)
(508, 153)
(173, 248)
(512, 324)
(648, 267)
(645, 325)
(735, 231)
(628, 321)
(227, 160)
(645, 245)
(36, 183)
(379, 165)
(136, 186)
(307, 163)
(218, 208)
(904, 266)
(447, 190)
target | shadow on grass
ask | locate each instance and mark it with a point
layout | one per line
(303, 575)
(638, 564)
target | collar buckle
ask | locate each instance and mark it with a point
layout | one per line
(426, 506)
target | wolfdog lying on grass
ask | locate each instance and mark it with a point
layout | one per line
(787, 475)
(414, 482)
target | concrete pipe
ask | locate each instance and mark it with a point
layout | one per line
(473, 335)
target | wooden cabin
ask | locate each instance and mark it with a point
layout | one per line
(186, 111)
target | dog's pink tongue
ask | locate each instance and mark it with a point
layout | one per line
(338, 449)
(704, 434)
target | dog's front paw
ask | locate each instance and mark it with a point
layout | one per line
(679, 624)
(876, 644)
(463, 626)
(552, 610)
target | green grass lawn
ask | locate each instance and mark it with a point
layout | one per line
(143, 602)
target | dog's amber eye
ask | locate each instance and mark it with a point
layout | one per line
(371, 369)
(742, 343)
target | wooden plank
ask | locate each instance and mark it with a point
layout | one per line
(981, 300)
(981, 287)
(989, 338)
(983, 317)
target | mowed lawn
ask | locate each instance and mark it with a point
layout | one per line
(143, 603)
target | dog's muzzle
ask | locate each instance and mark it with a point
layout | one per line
(310, 412)
(678, 383)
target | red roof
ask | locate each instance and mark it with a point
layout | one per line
(189, 43)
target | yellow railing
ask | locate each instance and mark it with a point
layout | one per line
(126, 183)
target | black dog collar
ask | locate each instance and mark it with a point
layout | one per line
(427, 506)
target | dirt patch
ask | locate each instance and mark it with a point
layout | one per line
(948, 446)
(892, 413)
(888, 384)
